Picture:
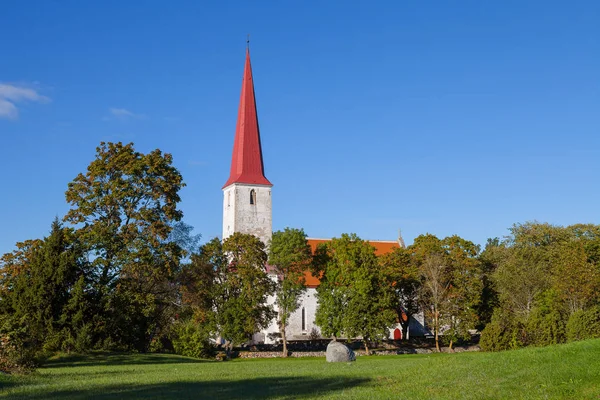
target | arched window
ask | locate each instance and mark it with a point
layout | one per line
(228, 199)
(303, 319)
(252, 197)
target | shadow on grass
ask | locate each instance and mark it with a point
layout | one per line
(258, 388)
(106, 359)
(4, 385)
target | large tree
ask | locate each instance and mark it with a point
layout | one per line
(490, 258)
(435, 292)
(574, 277)
(524, 271)
(33, 305)
(227, 287)
(465, 290)
(290, 256)
(16, 262)
(451, 285)
(354, 297)
(402, 274)
(546, 274)
(124, 208)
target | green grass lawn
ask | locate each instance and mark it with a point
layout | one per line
(569, 371)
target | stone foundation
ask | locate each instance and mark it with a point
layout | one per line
(377, 352)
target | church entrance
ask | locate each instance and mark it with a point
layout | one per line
(397, 334)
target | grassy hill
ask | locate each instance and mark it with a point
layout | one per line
(570, 371)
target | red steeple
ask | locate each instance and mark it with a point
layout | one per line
(246, 161)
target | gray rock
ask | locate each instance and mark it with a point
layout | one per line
(337, 352)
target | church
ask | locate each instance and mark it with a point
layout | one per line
(247, 208)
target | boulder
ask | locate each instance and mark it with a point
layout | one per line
(338, 352)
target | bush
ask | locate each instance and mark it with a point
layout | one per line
(15, 357)
(502, 333)
(584, 324)
(546, 322)
(161, 344)
(314, 334)
(545, 328)
(189, 339)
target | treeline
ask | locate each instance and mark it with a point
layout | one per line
(542, 286)
(121, 271)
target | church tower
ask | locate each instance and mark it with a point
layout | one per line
(247, 192)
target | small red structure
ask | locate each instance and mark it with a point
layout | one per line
(397, 334)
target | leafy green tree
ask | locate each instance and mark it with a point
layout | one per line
(124, 207)
(202, 296)
(575, 279)
(546, 323)
(536, 234)
(424, 246)
(451, 288)
(54, 273)
(191, 339)
(354, 296)
(435, 292)
(584, 324)
(503, 332)
(181, 234)
(521, 277)
(33, 304)
(16, 262)
(539, 257)
(465, 290)
(492, 255)
(227, 287)
(16, 351)
(332, 293)
(543, 275)
(76, 320)
(246, 310)
(290, 255)
(402, 274)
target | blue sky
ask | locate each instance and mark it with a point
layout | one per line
(441, 117)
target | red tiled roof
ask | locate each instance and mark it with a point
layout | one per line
(381, 247)
(246, 161)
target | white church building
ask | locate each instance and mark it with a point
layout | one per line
(247, 208)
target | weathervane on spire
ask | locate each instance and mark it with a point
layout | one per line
(248, 41)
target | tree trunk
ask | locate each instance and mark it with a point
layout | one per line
(367, 352)
(228, 349)
(450, 345)
(436, 329)
(284, 339)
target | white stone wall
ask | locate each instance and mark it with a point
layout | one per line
(294, 330)
(241, 216)
(309, 302)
